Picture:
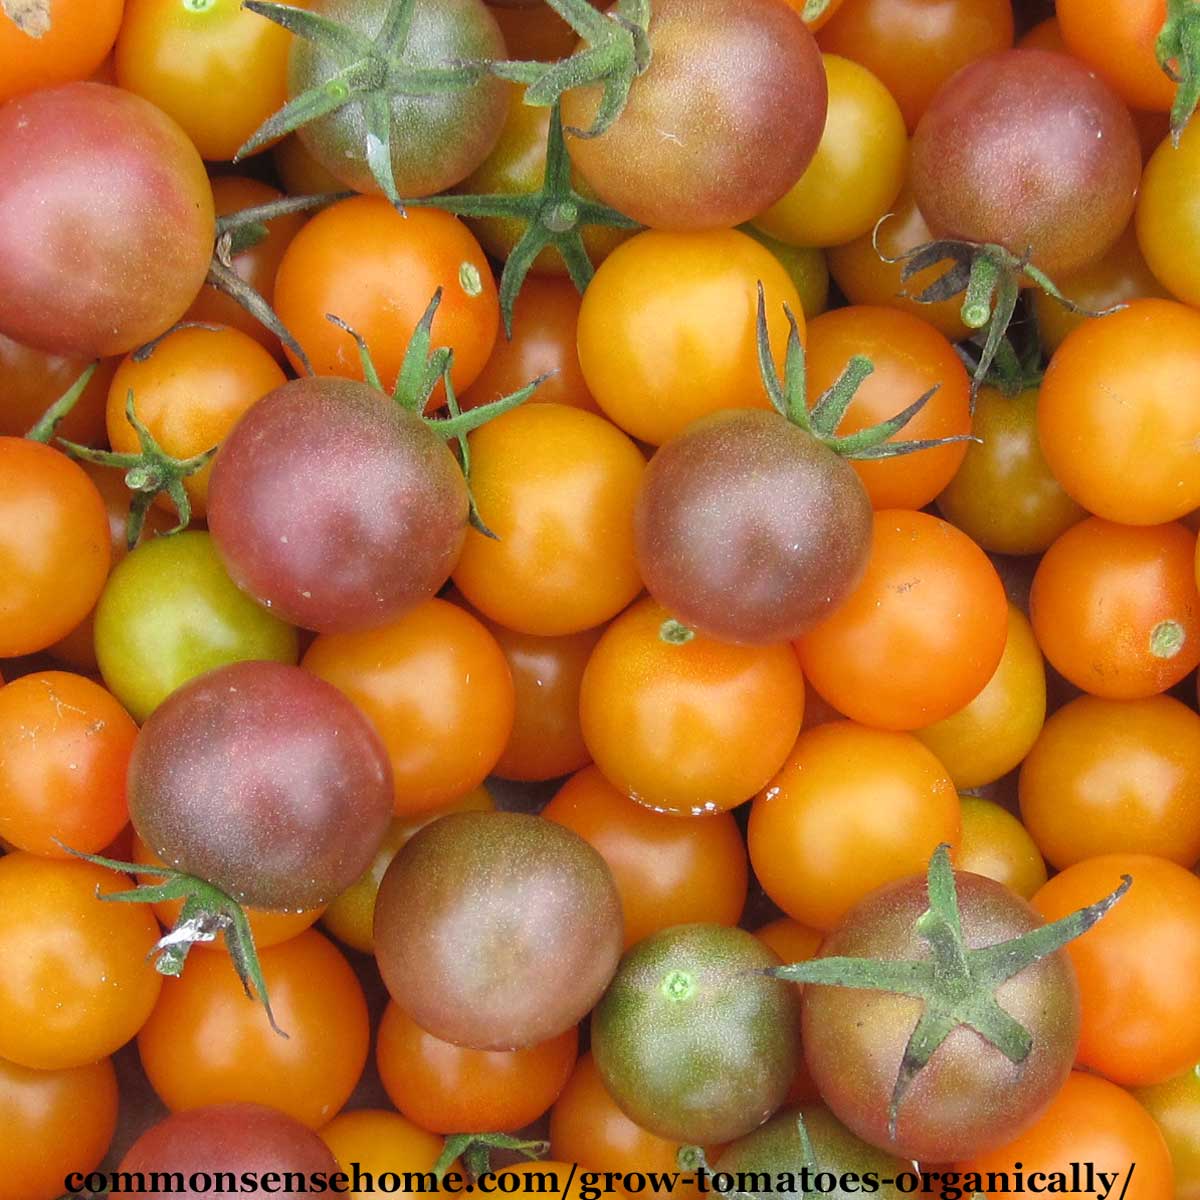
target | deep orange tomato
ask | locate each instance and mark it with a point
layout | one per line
(360, 260)
(910, 357)
(558, 487)
(446, 1088)
(54, 546)
(42, 45)
(668, 870)
(1137, 967)
(1115, 775)
(54, 1122)
(380, 1143)
(64, 748)
(1116, 609)
(31, 380)
(190, 393)
(1116, 38)
(76, 983)
(852, 809)
(696, 726)
(206, 1043)
(437, 689)
(922, 633)
(996, 845)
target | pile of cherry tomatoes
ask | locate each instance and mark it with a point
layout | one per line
(593, 588)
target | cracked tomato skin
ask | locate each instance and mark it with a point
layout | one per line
(969, 1098)
(263, 780)
(106, 220)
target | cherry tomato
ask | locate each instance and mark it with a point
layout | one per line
(1168, 216)
(447, 1088)
(381, 1143)
(920, 636)
(1115, 607)
(206, 1043)
(43, 45)
(32, 380)
(557, 486)
(667, 328)
(437, 689)
(806, 267)
(299, 172)
(687, 725)
(668, 871)
(1175, 1107)
(993, 733)
(852, 809)
(77, 984)
(64, 748)
(995, 844)
(1137, 967)
(858, 168)
(54, 546)
(793, 943)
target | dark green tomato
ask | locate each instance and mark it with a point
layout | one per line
(749, 529)
(265, 781)
(437, 139)
(497, 930)
(335, 507)
(969, 1098)
(776, 1148)
(721, 124)
(692, 1040)
(1004, 495)
(169, 612)
(1030, 150)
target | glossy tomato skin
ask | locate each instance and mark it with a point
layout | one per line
(1137, 968)
(436, 139)
(519, 958)
(995, 844)
(170, 612)
(320, 494)
(668, 871)
(39, 49)
(720, 125)
(969, 1098)
(206, 1043)
(263, 780)
(693, 1042)
(379, 1142)
(54, 546)
(1030, 150)
(690, 728)
(77, 983)
(228, 1137)
(55, 1122)
(1168, 215)
(749, 529)
(105, 173)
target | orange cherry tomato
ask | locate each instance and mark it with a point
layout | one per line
(996, 845)
(1116, 609)
(64, 748)
(361, 261)
(437, 689)
(446, 1088)
(852, 809)
(381, 1143)
(688, 725)
(42, 45)
(668, 870)
(206, 1043)
(922, 633)
(76, 983)
(32, 380)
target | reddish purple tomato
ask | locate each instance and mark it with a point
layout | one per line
(263, 780)
(335, 507)
(721, 124)
(1030, 150)
(202, 1142)
(749, 529)
(106, 220)
(969, 1098)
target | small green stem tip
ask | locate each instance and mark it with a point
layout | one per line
(674, 633)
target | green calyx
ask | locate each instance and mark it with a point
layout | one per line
(988, 277)
(371, 71)
(148, 473)
(1178, 50)
(50, 420)
(617, 52)
(422, 368)
(207, 912)
(554, 216)
(957, 984)
(1011, 372)
(475, 1150)
(789, 397)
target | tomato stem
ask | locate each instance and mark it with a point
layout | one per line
(475, 1151)
(1178, 51)
(50, 420)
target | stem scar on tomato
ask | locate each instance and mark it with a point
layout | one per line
(957, 984)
